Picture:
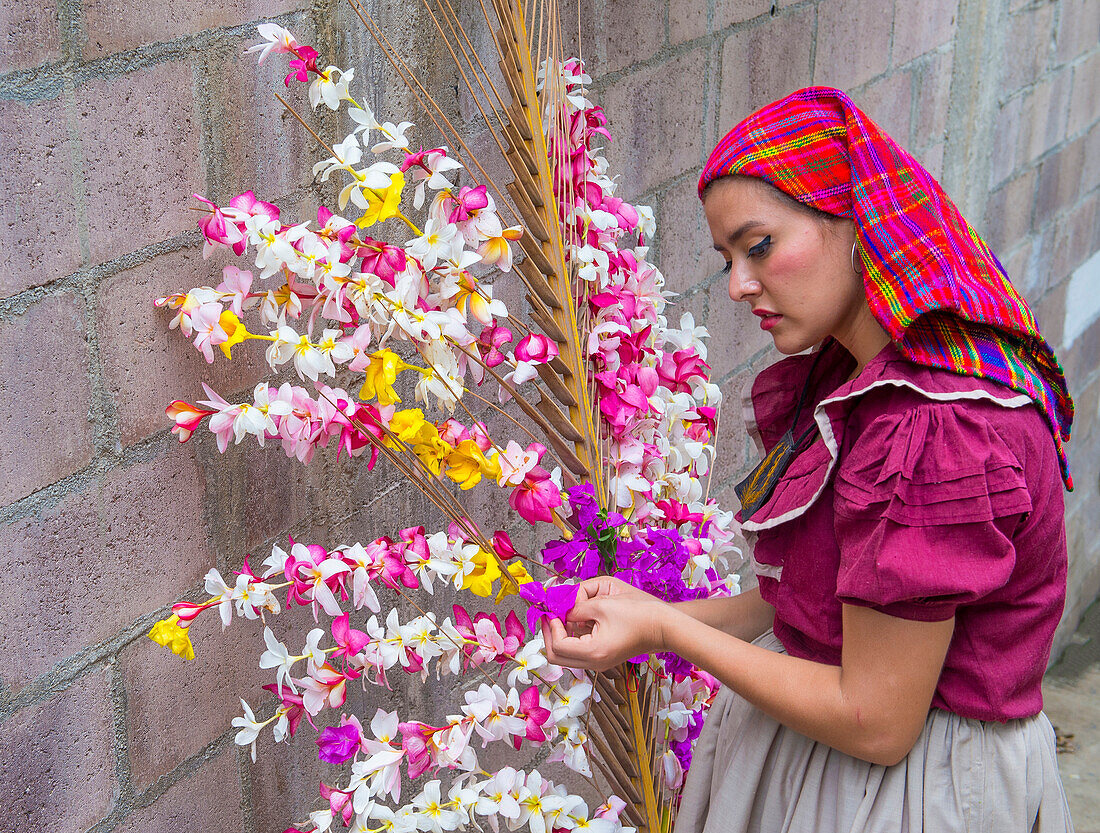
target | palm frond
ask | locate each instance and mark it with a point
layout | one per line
(513, 106)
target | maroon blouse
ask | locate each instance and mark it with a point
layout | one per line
(925, 495)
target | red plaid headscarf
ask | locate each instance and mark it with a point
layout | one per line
(931, 281)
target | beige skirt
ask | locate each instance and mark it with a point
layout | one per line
(751, 773)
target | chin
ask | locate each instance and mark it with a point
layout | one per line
(791, 346)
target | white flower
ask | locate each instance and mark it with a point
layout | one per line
(216, 586)
(278, 40)
(432, 813)
(277, 656)
(249, 729)
(395, 136)
(529, 658)
(312, 648)
(440, 241)
(331, 88)
(348, 152)
(364, 120)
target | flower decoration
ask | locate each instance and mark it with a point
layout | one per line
(613, 421)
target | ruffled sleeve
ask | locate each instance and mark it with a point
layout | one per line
(926, 502)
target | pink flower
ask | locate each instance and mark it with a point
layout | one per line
(339, 801)
(293, 704)
(219, 230)
(480, 435)
(418, 741)
(513, 634)
(536, 497)
(187, 418)
(187, 611)
(453, 432)
(237, 283)
(536, 348)
(515, 462)
(206, 324)
(624, 212)
(249, 206)
(677, 369)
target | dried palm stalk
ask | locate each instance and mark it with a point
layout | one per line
(514, 106)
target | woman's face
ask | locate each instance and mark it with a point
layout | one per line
(793, 269)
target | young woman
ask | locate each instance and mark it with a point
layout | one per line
(907, 523)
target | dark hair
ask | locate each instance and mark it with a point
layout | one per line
(823, 217)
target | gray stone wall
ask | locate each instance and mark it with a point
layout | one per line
(113, 113)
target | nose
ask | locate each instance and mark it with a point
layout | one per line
(742, 285)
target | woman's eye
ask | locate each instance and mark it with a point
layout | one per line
(761, 248)
(727, 267)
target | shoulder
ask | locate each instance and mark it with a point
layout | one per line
(927, 446)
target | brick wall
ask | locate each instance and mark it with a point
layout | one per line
(113, 113)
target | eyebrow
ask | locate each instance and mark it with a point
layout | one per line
(744, 227)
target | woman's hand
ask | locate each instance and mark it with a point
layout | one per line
(611, 622)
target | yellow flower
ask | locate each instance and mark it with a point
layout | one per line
(234, 329)
(480, 580)
(517, 571)
(382, 206)
(466, 464)
(491, 467)
(381, 373)
(167, 632)
(410, 426)
(433, 452)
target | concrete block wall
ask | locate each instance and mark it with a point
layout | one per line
(113, 113)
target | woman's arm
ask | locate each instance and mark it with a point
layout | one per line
(872, 707)
(745, 615)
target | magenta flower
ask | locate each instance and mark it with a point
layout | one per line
(219, 230)
(305, 63)
(502, 543)
(536, 348)
(349, 641)
(466, 202)
(417, 740)
(556, 601)
(337, 744)
(533, 714)
(489, 342)
(382, 259)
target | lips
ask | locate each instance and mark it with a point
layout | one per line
(768, 319)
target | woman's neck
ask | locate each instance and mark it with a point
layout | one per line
(863, 337)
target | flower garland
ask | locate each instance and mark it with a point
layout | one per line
(331, 299)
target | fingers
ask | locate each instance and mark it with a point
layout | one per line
(571, 651)
(598, 584)
(588, 610)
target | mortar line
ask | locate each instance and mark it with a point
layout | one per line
(44, 81)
